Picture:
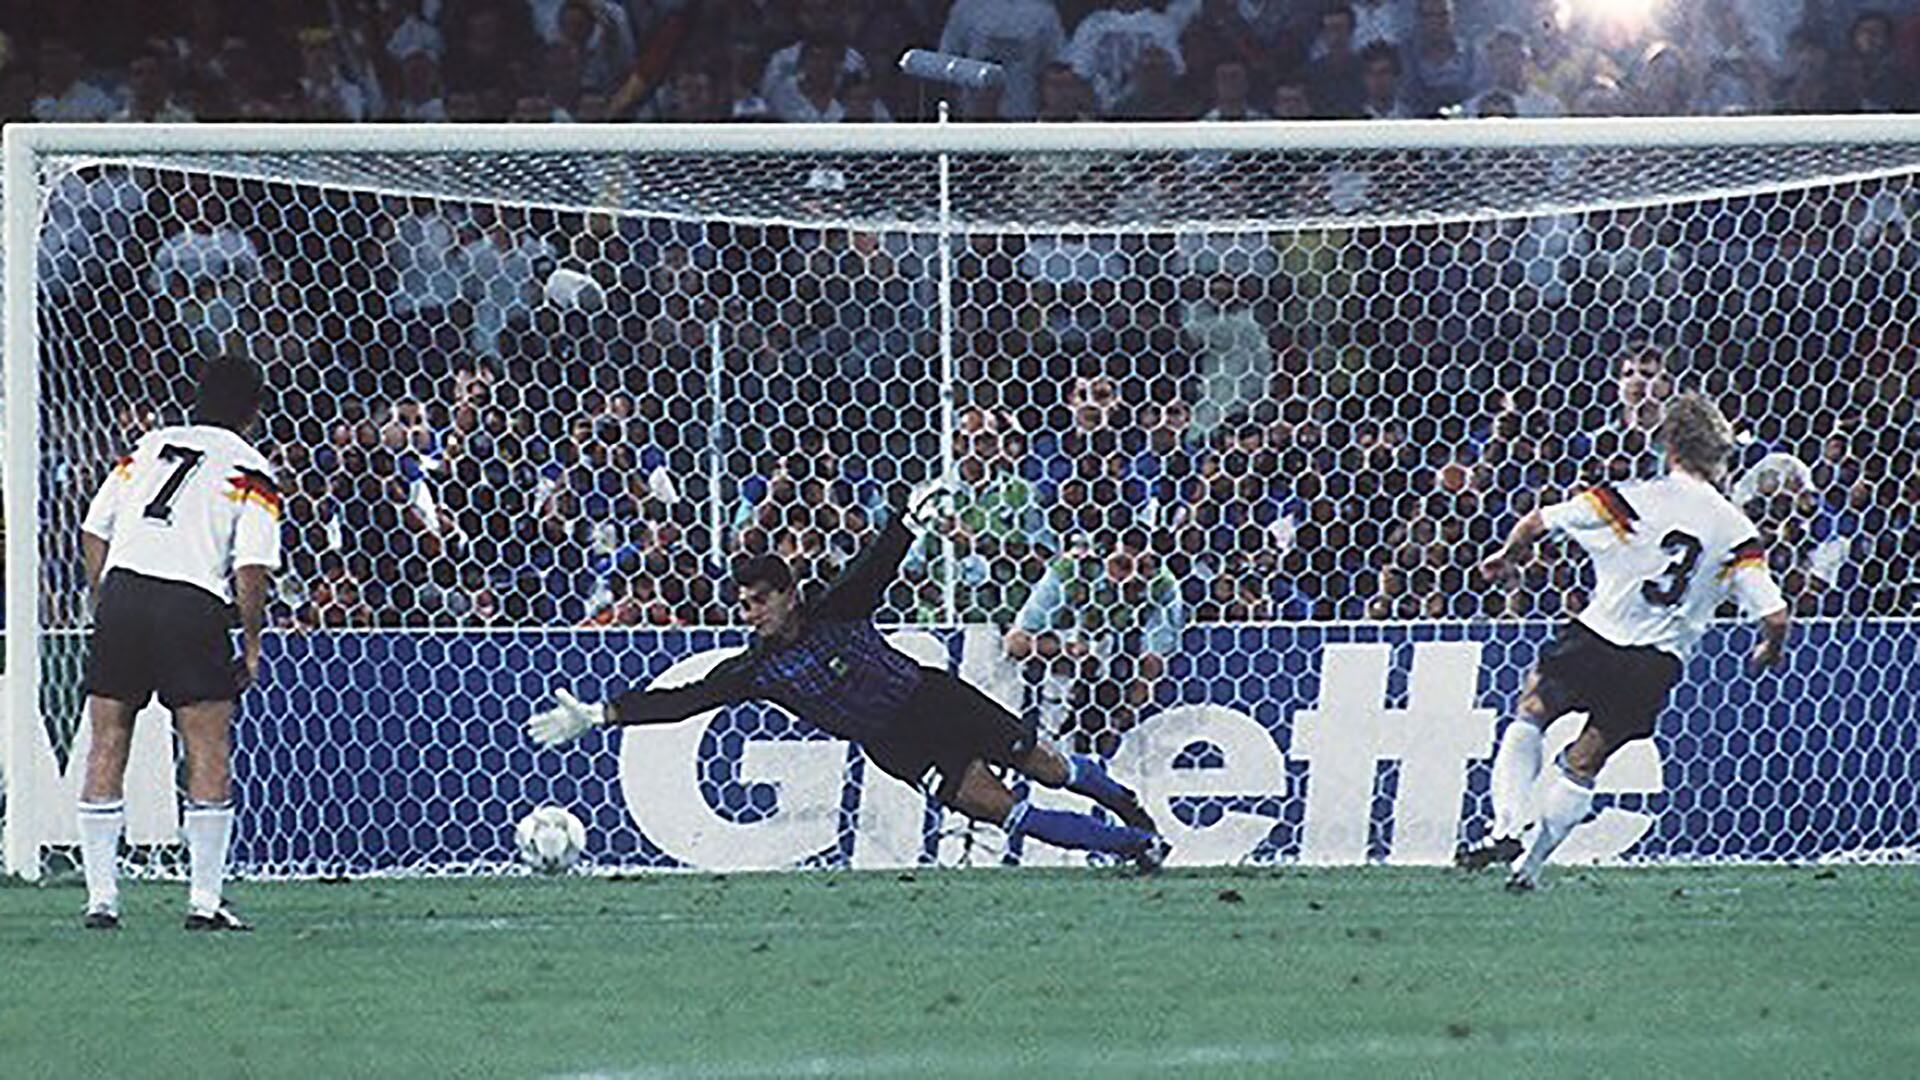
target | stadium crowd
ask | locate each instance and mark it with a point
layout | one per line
(834, 60)
(1147, 436)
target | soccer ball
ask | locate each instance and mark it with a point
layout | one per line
(550, 839)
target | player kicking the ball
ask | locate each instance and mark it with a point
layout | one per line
(825, 661)
(179, 534)
(1666, 553)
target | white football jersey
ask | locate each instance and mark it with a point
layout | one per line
(1665, 553)
(189, 504)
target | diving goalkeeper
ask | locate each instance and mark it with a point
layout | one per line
(825, 661)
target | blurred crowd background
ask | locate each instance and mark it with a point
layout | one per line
(836, 60)
(1151, 432)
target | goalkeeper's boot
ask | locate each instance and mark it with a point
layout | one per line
(101, 918)
(1152, 855)
(1502, 850)
(222, 918)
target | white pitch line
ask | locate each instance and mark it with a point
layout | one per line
(1196, 1057)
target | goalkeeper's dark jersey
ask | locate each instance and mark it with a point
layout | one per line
(839, 674)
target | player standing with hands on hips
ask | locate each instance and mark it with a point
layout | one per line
(1666, 553)
(181, 533)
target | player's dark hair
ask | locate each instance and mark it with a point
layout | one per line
(764, 571)
(229, 394)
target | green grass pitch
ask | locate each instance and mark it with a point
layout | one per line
(1377, 972)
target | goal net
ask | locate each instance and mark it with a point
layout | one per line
(1232, 410)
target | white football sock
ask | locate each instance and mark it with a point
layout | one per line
(209, 828)
(100, 827)
(1565, 802)
(1516, 769)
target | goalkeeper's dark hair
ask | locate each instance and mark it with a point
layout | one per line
(1696, 435)
(229, 394)
(763, 571)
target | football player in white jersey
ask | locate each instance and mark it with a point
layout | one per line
(1666, 553)
(182, 532)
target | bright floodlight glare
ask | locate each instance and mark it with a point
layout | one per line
(1626, 14)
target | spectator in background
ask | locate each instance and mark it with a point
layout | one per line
(823, 25)
(1235, 357)
(1107, 46)
(692, 95)
(1438, 67)
(1157, 93)
(487, 55)
(66, 95)
(420, 96)
(1809, 85)
(1097, 631)
(1291, 99)
(409, 30)
(1382, 94)
(1871, 80)
(1506, 56)
(1381, 22)
(150, 95)
(1222, 32)
(327, 91)
(1022, 36)
(1231, 88)
(1664, 85)
(600, 36)
(1333, 68)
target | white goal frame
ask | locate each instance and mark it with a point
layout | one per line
(26, 145)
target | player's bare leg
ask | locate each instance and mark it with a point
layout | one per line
(982, 796)
(207, 730)
(103, 807)
(1516, 775)
(1084, 775)
(1566, 800)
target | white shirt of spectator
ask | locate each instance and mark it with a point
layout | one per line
(780, 83)
(413, 35)
(1635, 557)
(1022, 36)
(221, 253)
(81, 101)
(1375, 21)
(1106, 48)
(190, 504)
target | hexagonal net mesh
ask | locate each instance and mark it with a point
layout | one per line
(1230, 427)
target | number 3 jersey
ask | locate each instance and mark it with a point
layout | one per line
(1665, 553)
(190, 504)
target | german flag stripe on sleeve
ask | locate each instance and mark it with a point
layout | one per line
(1617, 512)
(252, 486)
(1747, 553)
(123, 467)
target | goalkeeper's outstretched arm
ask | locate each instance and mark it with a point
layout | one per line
(570, 717)
(857, 593)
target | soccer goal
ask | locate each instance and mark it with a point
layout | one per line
(1232, 410)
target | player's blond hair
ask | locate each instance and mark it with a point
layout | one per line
(1696, 435)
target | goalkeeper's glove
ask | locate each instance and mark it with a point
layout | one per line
(932, 504)
(569, 719)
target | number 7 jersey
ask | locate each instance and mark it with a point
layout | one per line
(190, 504)
(1665, 554)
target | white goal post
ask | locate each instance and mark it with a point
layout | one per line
(1281, 371)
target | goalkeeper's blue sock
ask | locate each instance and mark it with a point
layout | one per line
(1066, 829)
(1086, 776)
